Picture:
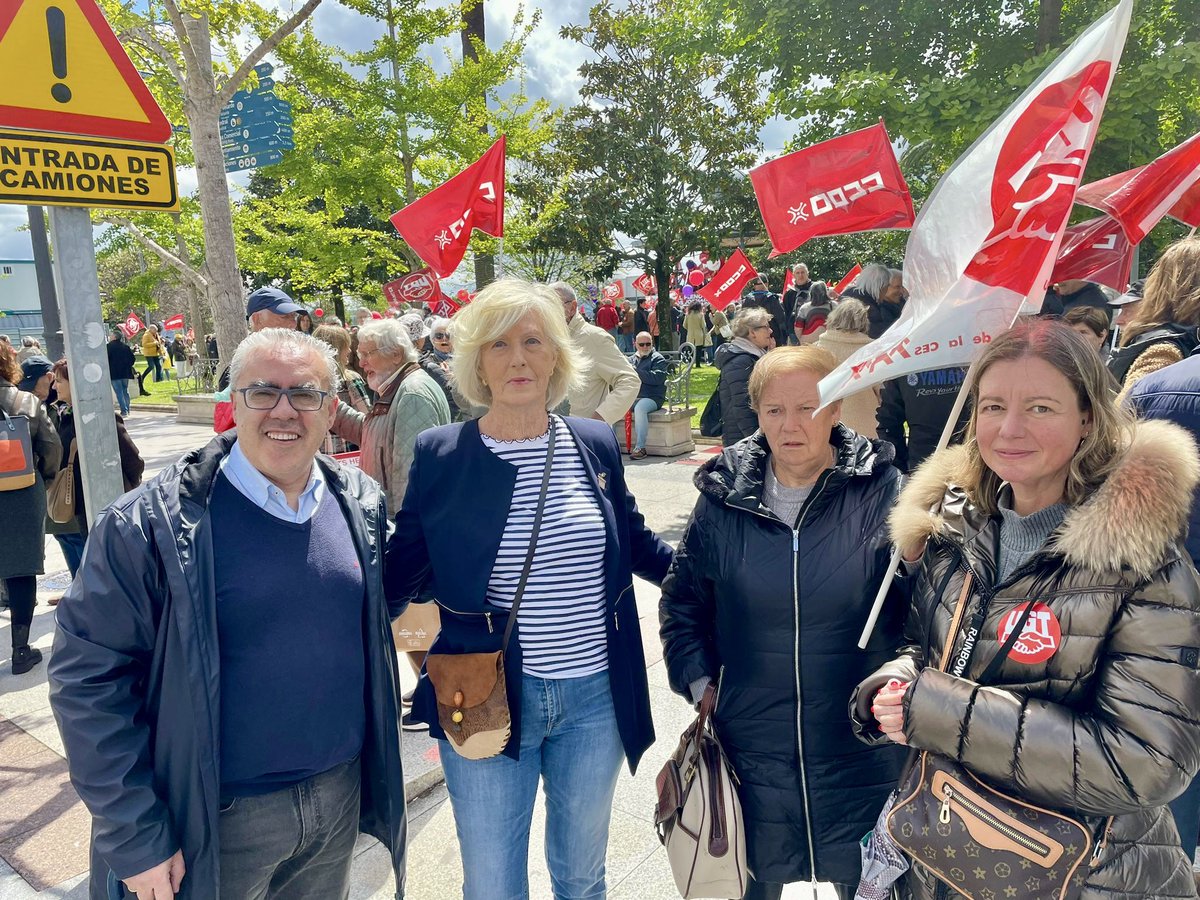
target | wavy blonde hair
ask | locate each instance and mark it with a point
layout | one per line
(1112, 425)
(496, 309)
(1172, 291)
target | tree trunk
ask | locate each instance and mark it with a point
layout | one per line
(1049, 29)
(194, 304)
(47, 295)
(474, 31)
(667, 339)
(339, 303)
(225, 291)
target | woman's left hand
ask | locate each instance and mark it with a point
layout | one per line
(888, 709)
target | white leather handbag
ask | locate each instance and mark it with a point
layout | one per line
(699, 815)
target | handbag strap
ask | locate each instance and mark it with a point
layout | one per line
(998, 660)
(956, 622)
(533, 535)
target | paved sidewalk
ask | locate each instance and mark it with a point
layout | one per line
(44, 827)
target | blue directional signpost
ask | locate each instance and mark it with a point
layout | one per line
(256, 126)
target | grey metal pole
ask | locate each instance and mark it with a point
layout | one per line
(45, 282)
(87, 358)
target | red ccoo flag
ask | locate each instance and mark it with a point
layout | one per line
(438, 226)
(1095, 250)
(174, 323)
(848, 278)
(840, 186)
(1139, 198)
(726, 286)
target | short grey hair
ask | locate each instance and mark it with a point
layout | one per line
(437, 322)
(849, 315)
(27, 341)
(273, 340)
(874, 280)
(749, 319)
(390, 336)
(565, 291)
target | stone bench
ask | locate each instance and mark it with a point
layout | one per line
(195, 409)
(670, 432)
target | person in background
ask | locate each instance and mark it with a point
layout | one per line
(844, 335)
(760, 297)
(23, 512)
(1067, 295)
(607, 318)
(720, 332)
(1165, 327)
(1125, 305)
(1091, 323)
(418, 332)
(441, 340)
(695, 330)
(30, 346)
(1056, 504)
(882, 290)
(794, 298)
(352, 389)
(575, 670)
(152, 350)
(652, 370)
(913, 411)
(626, 327)
(752, 337)
(813, 315)
(304, 321)
(608, 385)
(775, 574)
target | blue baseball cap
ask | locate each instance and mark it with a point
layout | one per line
(33, 369)
(273, 299)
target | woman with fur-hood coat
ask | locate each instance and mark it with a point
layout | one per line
(1094, 711)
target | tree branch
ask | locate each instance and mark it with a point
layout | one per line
(256, 55)
(181, 35)
(190, 274)
(150, 41)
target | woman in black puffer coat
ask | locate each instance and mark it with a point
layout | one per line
(767, 593)
(752, 337)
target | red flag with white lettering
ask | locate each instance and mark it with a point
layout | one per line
(848, 278)
(727, 285)
(989, 234)
(174, 323)
(133, 324)
(415, 288)
(645, 284)
(847, 184)
(438, 226)
(1139, 198)
(1095, 250)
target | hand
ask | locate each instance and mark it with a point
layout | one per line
(888, 709)
(914, 553)
(159, 883)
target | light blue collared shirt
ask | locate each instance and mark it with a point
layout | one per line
(255, 487)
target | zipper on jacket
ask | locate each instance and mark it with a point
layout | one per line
(808, 826)
(488, 617)
(1102, 844)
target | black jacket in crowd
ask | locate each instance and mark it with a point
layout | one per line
(775, 615)
(120, 361)
(923, 401)
(793, 299)
(770, 302)
(1090, 294)
(653, 370)
(738, 420)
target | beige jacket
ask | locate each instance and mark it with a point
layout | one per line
(858, 410)
(609, 384)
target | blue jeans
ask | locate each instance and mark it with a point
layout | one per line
(569, 742)
(154, 364)
(121, 389)
(642, 407)
(72, 550)
(625, 342)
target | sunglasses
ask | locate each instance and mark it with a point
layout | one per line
(645, 345)
(440, 336)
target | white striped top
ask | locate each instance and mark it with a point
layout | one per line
(561, 623)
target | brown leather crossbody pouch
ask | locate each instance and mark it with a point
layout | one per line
(979, 841)
(472, 695)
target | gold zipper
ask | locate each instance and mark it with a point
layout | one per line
(1013, 834)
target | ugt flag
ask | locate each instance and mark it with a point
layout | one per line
(729, 282)
(1095, 250)
(133, 325)
(1139, 198)
(438, 226)
(988, 236)
(840, 186)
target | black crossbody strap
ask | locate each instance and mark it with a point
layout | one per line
(533, 536)
(998, 660)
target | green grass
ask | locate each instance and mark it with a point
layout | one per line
(703, 383)
(160, 392)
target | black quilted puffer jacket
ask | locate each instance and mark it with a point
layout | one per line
(1096, 713)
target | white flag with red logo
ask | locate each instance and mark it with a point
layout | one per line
(133, 325)
(1095, 250)
(988, 236)
(438, 226)
(1139, 198)
(727, 285)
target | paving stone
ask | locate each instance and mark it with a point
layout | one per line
(52, 852)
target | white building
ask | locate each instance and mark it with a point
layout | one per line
(20, 308)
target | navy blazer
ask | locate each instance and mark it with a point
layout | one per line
(447, 535)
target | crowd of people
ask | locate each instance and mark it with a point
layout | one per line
(1041, 634)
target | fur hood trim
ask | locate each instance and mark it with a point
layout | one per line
(1131, 520)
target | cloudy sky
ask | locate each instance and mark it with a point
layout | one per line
(551, 72)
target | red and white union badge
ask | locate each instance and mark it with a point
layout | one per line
(1041, 637)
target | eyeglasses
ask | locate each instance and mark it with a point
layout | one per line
(302, 399)
(363, 354)
(440, 336)
(645, 345)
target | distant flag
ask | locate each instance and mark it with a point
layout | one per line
(175, 323)
(848, 278)
(727, 285)
(1096, 250)
(789, 281)
(133, 324)
(645, 285)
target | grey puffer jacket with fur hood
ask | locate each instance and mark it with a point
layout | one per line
(1100, 722)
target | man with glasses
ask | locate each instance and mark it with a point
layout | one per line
(651, 368)
(223, 673)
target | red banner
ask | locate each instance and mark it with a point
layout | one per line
(789, 281)
(133, 325)
(175, 323)
(840, 186)
(417, 287)
(1140, 197)
(438, 226)
(727, 285)
(1095, 250)
(614, 291)
(645, 285)
(848, 279)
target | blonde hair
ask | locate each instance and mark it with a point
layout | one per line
(849, 315)
(1111, 427)
(1172, 291)
(785, 360)
(496, 309)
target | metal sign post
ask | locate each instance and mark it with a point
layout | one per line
(87, 357)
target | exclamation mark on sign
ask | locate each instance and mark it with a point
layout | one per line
(56, 27)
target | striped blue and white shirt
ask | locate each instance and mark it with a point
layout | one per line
(561, 623)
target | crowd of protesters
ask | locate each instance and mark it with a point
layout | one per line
(489, 482)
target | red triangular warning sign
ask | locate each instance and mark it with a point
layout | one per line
(62, 69)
